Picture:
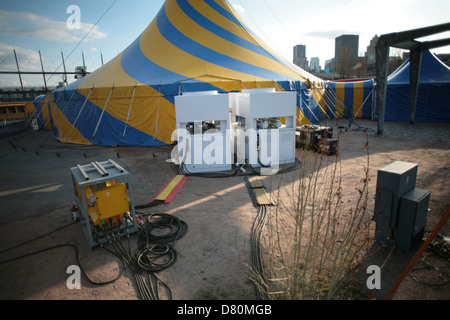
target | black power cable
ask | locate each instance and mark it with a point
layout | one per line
(156, 241)
(38, 237)
(257, 264)
(144, 261)
(149, 205)
(236, 172)
(77, 260)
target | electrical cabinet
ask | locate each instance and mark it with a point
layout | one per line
(264, 134)
(399, 205)
(105, 199)
(396, 178)
(203, 131)
(412, 217)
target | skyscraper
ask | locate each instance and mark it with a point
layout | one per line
(300, 56)
(346, 51)
(370, 53)
(314, 66)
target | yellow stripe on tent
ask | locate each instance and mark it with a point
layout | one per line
(146, 111)
(64, 127)
(229, 48)
(210, 40)
(358, 96)
(170, 57)
(111, 74)
(203, 8)
(340, 98)
(45, 114)
(301, 119)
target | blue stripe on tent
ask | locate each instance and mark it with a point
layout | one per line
(166, 82)
(178, 39)
(367, 107)
(214, 5)
(110, 130)
(309, 106)
(37, 107)
(223, 12)
(139, 67)
(330, 92)
(349, 90)
(204, 22)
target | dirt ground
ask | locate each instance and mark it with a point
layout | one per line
(212, 263)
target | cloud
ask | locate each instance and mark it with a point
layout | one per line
(28, 61)
(238, 8)
(27, 58)
(30, 25)
(329, 34)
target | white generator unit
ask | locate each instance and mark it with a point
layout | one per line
(264, 134)
(203, 132)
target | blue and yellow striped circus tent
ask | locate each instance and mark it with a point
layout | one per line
(350, 99)
(191, 45)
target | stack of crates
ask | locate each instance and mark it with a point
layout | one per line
(316, 138)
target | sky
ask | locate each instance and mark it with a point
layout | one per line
(107, 27)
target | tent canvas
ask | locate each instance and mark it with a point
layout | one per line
(194, 45)
(433, 100)
(350, 99)
(189, 46)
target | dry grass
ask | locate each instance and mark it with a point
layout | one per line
(315, 237)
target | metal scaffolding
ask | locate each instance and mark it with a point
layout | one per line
(404, 40)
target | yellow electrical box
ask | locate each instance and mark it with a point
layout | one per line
(108, 202)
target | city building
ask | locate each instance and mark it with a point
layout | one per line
(346, 52)
(370, 53)
(300, 56)
(314, 65)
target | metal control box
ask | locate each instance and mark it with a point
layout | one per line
(393, 181)
(105, 198)
(412, 217)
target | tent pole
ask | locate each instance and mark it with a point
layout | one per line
(78, 116)
(129, 112)
(382, 65)
(414, 74)
(103, 111)
(369, 95)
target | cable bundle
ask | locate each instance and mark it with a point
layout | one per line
(155, 252)
(147, 292)
(257, 265)
(156, 245)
